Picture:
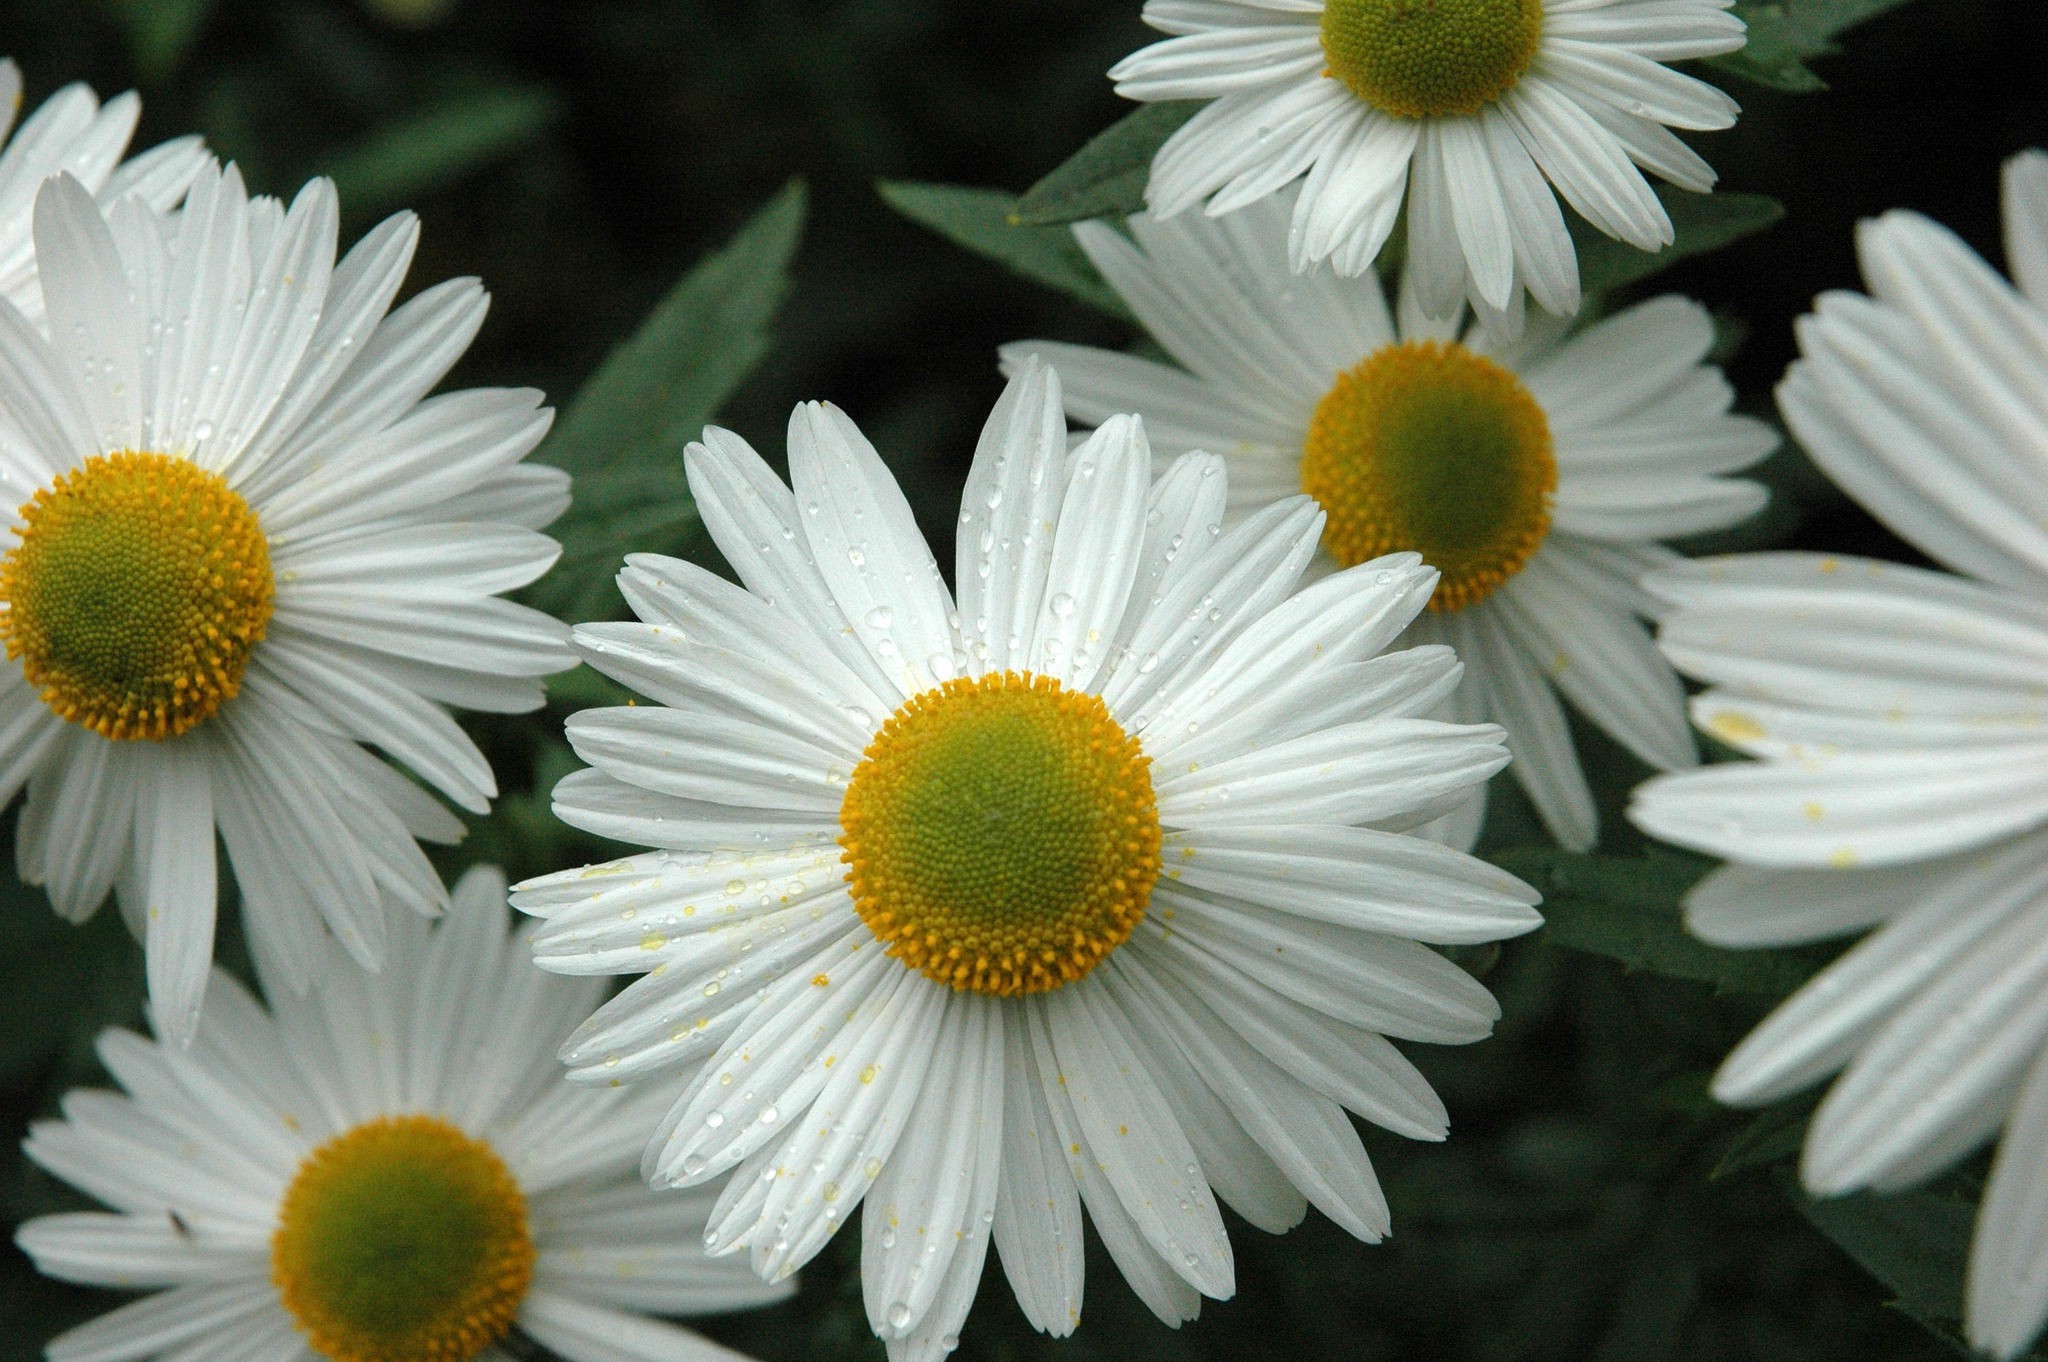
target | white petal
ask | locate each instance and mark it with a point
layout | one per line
(1835, 1013)
(1356, 877)
(1096, 553)
(2005, 1296)
(2025, 186)
(1969, 1033)
(1008, 510)
(926, 1220)
(1037, 1226)
(869, 549)
(1379, 983)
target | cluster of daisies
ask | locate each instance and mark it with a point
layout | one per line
(1104, 877)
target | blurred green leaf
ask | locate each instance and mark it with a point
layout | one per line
(1785, 34)
(1699, 222)
(983, 221)
(60, 984)
(1627, 908)
(1914, 1242)
(622, 436)
(161, 32)
(1105, 178)
(410, 13)
(401, 161)
(1773, 1134)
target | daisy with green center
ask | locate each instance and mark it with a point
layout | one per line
(242, 542)
(386, 1169)
(1536, 476)
(1473, 110)
(1088, 887)
(1896, 716)
(72, 133)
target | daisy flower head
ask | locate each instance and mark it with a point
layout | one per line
(1475, 110)
(1895, 716)
(73, 133)
(242, 542)
(386, 1167)
(1536, 475)
(1086, 887)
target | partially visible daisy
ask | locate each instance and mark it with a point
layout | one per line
(1897, 717)
(1535, 476)
(73, 133)
(389, 1167)
(1090, 888)
(1474, 110)
(241, 542)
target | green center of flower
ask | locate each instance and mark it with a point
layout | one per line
(1427, 446)
(1429, 58)
(1002, 834)
(402, 1240)
(137, 589)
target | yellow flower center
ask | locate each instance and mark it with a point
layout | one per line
(1427, 446)
(1430, 58)
(1002, 834)
(402, 1240)
(139, 586)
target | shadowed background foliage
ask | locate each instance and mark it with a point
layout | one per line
(581, 156)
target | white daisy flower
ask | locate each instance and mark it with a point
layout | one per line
(1468, 107)
(1536, 476)
(389, 1167)
(1896, 715)
(1090, 890)
(242, 542)
(72, 133)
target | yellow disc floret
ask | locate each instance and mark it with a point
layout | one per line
(402, 1240)
(137, 588)
(1430, 58)
(1002, 834)
(1430, 447)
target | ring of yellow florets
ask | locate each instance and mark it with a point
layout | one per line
(1002, 834)
(137, 589)
(1429, 447)
(402, 1240)
(1430, 58)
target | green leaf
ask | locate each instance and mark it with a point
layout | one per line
(983, 220)
(1785, 34)
(1772, 1135)
(1914, 1242)
(1105, 178)
(161, 32)
(622, 436)
(1699, 222)
(400, 161)
(1627, 909)
(60, 984)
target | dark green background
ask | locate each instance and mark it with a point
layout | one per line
(581, 156)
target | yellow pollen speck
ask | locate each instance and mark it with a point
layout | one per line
(1815, 812)
(1431, 447)
(1430, 58)
(653, 941)
(402, 1238)
(1001, 834)
(867, 1075)
(1841, 858)
(821, 979)
(1735, 727)
(138, 587)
